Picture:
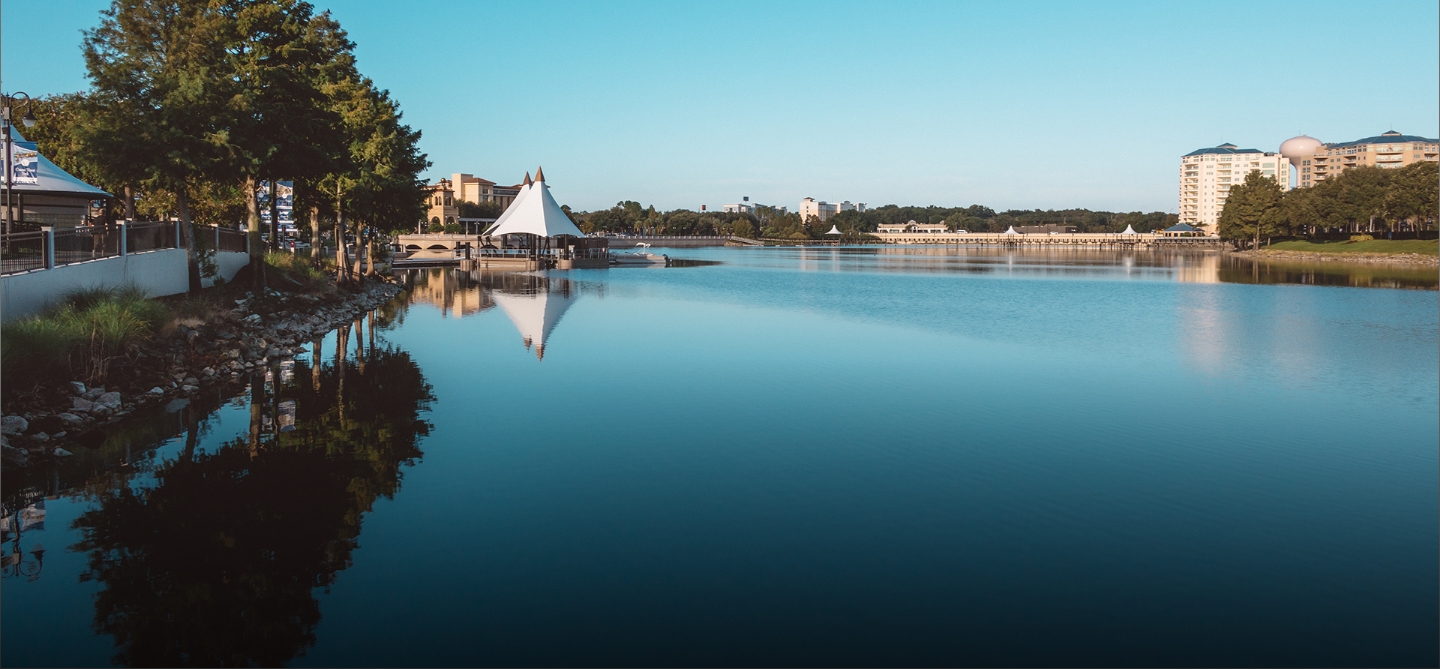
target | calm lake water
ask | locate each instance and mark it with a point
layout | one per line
(893, 456)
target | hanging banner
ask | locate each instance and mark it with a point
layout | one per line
(27, 163)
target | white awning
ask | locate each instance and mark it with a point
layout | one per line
(535, 212)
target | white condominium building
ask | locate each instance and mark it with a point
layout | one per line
(1206, 176)
(821, 210)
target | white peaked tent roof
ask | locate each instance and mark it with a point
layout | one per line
(834, 230)
(535, 212)
(534, 315)
(1129, 230)
(50, 179)
(1010, 231)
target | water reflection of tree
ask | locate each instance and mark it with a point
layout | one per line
(216, 563)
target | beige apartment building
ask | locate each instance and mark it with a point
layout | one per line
(1387, 150)
(1207, 175)
(469, 188)
(822, 210)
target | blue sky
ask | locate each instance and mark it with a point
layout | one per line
(1011, 105)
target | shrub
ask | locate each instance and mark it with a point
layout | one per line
(295, 266)
(79, 337)
(1361, 238)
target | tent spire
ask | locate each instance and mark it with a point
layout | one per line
(539, 174)
(526, 182)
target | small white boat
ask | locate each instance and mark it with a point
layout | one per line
(636, 258)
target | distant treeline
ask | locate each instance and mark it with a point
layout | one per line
(630, 216)
(1362, 199)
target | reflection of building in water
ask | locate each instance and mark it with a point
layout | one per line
(535, 304)
(449, 291)
(1198, 268)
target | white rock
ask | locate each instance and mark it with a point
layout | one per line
(94, 392)
(60, 452)
(70, 419)
(110, 400)
(40, 436)
(14, 425)
(77, 388)
(157, 390)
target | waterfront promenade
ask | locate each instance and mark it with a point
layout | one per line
(1101, 239)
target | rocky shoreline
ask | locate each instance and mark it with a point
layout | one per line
(259, 330)
(1309, 256)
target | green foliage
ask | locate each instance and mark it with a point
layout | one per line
(435, 227)
(81, 335)
(482, 210)
(453, 228)
(630, 216)
(298, 267)
(1361, 198)
(1253, 210)
(1362, 238)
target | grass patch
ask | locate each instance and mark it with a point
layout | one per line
(79, 337)
(297, 267)
(1425, 246)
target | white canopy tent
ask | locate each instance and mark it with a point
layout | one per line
(535, 212)
(1129, 230)
(1010, 231)
(834, 230)
(49, 179)
(43, 193)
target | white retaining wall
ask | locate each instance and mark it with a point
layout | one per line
(158, 273)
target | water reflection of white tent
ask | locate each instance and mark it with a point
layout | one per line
(534, 315)
(535, 212)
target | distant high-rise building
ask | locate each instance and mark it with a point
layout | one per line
(745, 206)
(1316, 162)
(1206, 176)
(822, 210)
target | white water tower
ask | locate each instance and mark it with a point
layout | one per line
(1297, 149)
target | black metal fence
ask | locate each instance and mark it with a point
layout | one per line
(232, 240)
(79, 244)
(150, 236)
(22, 251)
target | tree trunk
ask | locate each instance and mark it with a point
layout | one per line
(342, 260)
(370, 253)
(315, 234)
(129, 203)
(187, 237)
(252, 231)
(274, 214)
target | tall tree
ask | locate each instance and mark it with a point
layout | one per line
(279, 58)
(157, 95)
(1252, 209)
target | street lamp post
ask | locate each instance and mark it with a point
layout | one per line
(6, 101)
